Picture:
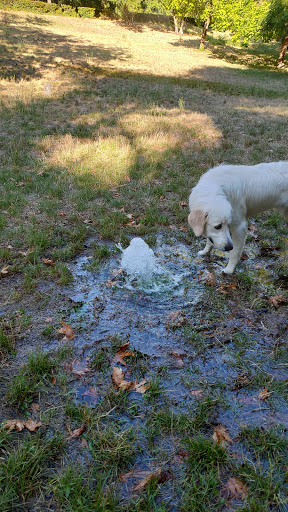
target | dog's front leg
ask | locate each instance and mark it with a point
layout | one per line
(206, 249)
(238, 237)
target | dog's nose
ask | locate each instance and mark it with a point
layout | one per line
(228, 247)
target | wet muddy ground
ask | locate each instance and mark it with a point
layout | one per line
(200, 337)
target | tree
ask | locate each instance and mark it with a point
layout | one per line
(181, 9)
(126, 8)
(275, 26)
(240, 17)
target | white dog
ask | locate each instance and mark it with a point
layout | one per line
(227, 195)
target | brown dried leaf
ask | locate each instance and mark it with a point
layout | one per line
(224, 288)
(235, 488)
(119, 380)
(253, 230)
(84, 443)
(176, 319)
(276, 300)
(79, 368)
(209, 278)
(67, 331)
(34, 408)
(264, 394)
(140, 387)
(110, 283)
(5, 270)
(48, 261)
(92, 395)
(121, 353)
(198, 393)
(32, 425)
(77, 432)
(20, 424)
(149, 476)
(221, 435)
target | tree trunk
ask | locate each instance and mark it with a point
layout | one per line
(181, 30)
(175, 24)
(204, 31)
(282, 52)
(49, 1)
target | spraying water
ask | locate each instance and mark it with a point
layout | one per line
(138, 260)
(142, 270)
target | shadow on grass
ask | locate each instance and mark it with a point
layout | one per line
(27, 52)
(256, 56)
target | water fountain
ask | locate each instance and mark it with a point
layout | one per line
(142, 269)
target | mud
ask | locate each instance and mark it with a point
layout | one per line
(193, 334)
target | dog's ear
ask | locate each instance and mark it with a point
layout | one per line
(197, 219)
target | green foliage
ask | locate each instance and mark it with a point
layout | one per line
(44, 8)
(181, 8)
(241, 17)
(275, 23)
(126, 8)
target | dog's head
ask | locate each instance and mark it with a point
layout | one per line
(213, 222)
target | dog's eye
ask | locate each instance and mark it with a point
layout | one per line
(218, 227)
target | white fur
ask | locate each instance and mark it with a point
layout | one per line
(228, 195)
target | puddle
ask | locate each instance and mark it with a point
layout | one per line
(151, 315)
(108, 302)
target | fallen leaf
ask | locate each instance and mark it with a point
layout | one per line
(183, 204)
(209, 278)
(224, 288)
(48, 320)
(34, 408)
(77, 432)
(67, 331)
(176, 319)
(25, 253)
(253, 230)
(198, 393)
(221, 435)
(276, 300)
(92, 395)
(234, 488)
(121, 353)
(119, 380)
(32, 425)
(19, 425)
(48, 261)
(110, 283)
(149, 476)
(179, 358)
(84, 443)
(264, 394)
(5, 270)
(62, 214)
(79, 368)
(140, 387)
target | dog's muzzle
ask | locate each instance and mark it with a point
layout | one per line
(228, 247)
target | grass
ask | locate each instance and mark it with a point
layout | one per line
(32, 377)
(101, 140)
(23, 469)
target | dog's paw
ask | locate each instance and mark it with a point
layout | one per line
(203, 252)
(228, 270)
